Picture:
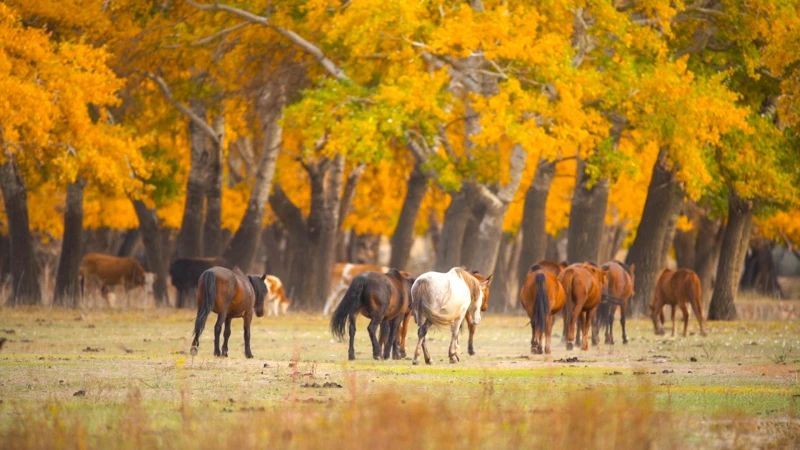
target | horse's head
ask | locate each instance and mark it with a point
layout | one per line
(260, 288)
(480, 294)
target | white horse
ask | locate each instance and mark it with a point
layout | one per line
(277, 303)
(444, 299)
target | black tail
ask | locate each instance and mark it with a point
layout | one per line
(541, 306)
(209, 282)
(348, 306)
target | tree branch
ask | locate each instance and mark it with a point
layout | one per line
(295, 38)
(199, 121)
(287, 212)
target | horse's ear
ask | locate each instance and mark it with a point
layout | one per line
(264, 277)
(488, 280)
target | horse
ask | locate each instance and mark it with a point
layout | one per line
(542, 296)
(617, 291)
(444, 299)
(583, 286)
(230, 294)
(342, 275)
(110, 271)
(184, 273)
(676, 288)
(383, 298)
(277, 302)
(471, 325)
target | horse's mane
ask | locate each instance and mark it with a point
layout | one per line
(259, 287)
(471, 281)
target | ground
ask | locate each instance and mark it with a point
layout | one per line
(125, 379)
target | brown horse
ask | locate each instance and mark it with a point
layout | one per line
(110, 271)
(617, 292)
(542, 296)
(583, 286)
(471, 325)
(676, 288)
(230, 294)
(382, 298)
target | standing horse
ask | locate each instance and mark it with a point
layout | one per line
(342, 274)
(617, 291)
(542, 296)
(230, 294)
(583, 286)
(384, 298)
(277, 302)
(471, 324)
(444, 299)
(676, 288)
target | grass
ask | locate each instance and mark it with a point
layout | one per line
(98, 379)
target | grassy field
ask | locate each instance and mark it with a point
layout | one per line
(113, 379)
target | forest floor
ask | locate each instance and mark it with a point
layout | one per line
(119, 379)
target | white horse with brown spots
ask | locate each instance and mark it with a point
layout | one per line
(444, 299)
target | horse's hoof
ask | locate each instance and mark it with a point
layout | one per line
(415, 363)
(351, 357)
(471, 352)
(193, 351)
(569, 345)
(624, 342)
(247, 355)
(428, 362)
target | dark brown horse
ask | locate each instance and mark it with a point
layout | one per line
(583, 286)
(471, 325)
(617, 293)
(676, 288)
(542, 296)
(230, 294)
(381, 298)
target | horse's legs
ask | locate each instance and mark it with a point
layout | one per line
(685, 313)
(394, 343)
(372, 328)
(471, 326)
(699, 314)
(573, 319)
(351, 351)
(384, 343)
(217, 331)
(422, 331)
(673, 309)
(453, 351)
(609, 319)
(225, 336)
(622, 311)
(403, 334)
(247, 319)
(591, 317)
(596, 326)
(548, 332)
(534, 342)
(391, 336)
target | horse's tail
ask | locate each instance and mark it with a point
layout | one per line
(567, 311)
(209, 282)
(348, 306)
(541, 306)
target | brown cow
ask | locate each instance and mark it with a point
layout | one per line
(676, 288)
(110, 271)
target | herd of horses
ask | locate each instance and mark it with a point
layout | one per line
(585, 294)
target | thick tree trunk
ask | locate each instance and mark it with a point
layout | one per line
(504, 283)
(669, 237)
(451, 237)
(662, 204)
(534, 235)
(731, 259)
(364, 248)
(24, 267)
(241, 249)
(706, 250)
(469, 245)
(212, 232)
(341, 249)
(190, 237)
(403, 236)
(684, 244)
(586, 217)
(760, 272)
(323, 225)
(129, 241)
(5, 259)
(152, 240)
(67, 291)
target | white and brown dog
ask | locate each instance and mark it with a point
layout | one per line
(277, 302)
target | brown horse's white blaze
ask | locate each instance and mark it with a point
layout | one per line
(542, 296)
(676, 288)
(230, 294)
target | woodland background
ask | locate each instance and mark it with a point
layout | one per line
(286, 135)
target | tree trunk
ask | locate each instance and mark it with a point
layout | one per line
(24, 268)
(152, 240)
(504, 282)
(67, 291)
(586, 217)
(760, 272)
(451, 236)
(129, 241)
(5, 259)
(731, 259)
(403, 236)
(364, 248)
(684, 244)
(662, 204)
(190, 237)
(706, 250)
(341, 249)
(534, 235)
(212, 232)
(669, 237)
(241, 249)
(469, 245)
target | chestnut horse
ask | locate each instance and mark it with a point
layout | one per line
(542, 296)
(230, 294)
(109, 271)
(471, 325)
(617, 292)
(382, 298)
(444, 299)
(583, 286)
(676, 288)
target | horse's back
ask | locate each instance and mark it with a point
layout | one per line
(685, 284)
(619, 281)
(443, 295)
(112, 269)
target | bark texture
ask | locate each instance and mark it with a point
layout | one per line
(403, 235)
(534, 237)
(67, 290)
(731, 260)
(586, 217)
(155, 252)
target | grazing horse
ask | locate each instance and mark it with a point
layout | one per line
(617, 292)
(471, 325)
(110, 271)
(384, 298)
(342, 275)
(444, 299)
(676, 288)
(277, 302)
(583, 286)
(184, 273)
(230, 294)
(542, 296)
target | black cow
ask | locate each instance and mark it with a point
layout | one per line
(185, 272)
